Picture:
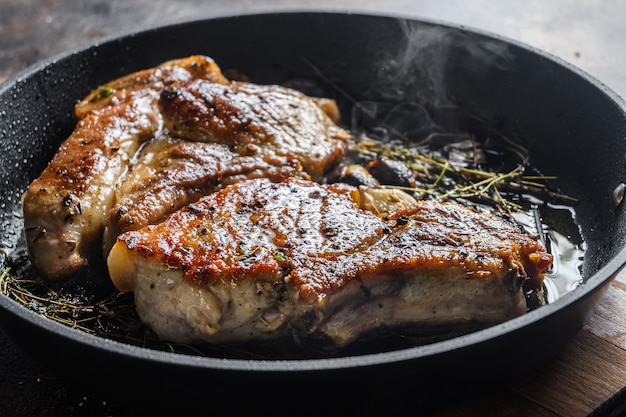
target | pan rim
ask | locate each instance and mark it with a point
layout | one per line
(594, 283)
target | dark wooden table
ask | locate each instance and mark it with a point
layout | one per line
(587, 378)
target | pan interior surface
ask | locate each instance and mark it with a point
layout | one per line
(577, 128)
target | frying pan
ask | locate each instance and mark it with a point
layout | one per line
(578, 127)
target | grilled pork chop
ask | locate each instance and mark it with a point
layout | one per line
(259, 260)
(65, 208)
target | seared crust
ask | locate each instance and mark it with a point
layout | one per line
(65, 208)
(321, 240)
(170, 173)
(150, 81)
(267, 120)
(331, 258)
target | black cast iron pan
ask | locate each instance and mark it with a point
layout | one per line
(579, 127)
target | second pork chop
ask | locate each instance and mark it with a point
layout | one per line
(261, 260)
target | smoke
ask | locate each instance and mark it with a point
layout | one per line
(418, 70)
(414, 77)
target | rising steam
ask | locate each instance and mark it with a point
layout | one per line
(413, 79)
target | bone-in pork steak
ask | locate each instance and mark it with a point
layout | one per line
(259, 260)
(66, 207)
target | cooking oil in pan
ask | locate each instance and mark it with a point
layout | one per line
(556, 227)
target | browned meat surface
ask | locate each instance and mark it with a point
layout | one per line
(150, 82)
(170, 173)
(259, 260)
(65, 208)
(268, 120)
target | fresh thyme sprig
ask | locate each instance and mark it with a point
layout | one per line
(114, 312)
(442, 180)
